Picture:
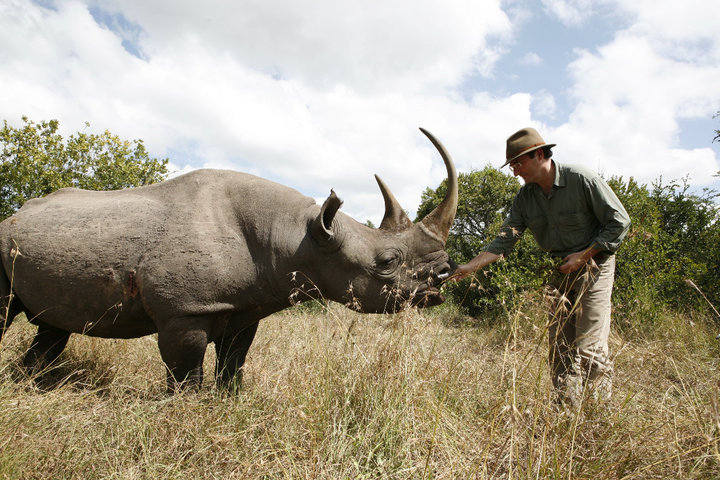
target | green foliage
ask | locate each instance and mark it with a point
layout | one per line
(35, 160)
(675, 237)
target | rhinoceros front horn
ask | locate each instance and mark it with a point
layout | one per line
(439, 221)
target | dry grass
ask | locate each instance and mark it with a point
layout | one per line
(340, 395)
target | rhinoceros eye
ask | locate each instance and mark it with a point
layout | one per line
(387, 262)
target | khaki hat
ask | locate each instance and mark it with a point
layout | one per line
(523, 141)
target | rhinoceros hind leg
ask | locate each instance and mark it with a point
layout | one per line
(182, 347)
(231, 349)
(46, 347)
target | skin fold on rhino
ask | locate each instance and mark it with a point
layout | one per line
(202, 258)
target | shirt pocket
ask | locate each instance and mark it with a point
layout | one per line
(575, 229)
(537, 223)
(571, 221)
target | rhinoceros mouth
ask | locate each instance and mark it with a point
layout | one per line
(427, 297)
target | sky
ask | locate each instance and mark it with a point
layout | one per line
(323, 94)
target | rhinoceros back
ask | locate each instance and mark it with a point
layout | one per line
(110, 263)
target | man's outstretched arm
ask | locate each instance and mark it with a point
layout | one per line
(482, 260)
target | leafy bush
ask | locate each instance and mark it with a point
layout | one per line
(674, 238)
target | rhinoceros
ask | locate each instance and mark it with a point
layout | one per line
(202, 258)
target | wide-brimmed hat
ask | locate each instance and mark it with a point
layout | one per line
(523, 141)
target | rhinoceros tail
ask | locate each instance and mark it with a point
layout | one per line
(10, 305)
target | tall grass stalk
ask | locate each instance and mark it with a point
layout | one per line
(332, 394)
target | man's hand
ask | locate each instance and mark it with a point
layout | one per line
(461, 272)
(575, 261)
(482, 260)
(572, 262)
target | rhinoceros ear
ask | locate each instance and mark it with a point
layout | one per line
(321, 229)
(395, 218)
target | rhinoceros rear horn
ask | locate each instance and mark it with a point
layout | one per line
(439, 221)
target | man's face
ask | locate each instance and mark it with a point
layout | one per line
(527, 167)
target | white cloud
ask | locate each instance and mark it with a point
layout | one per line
(313, 95)
(570, 12)
(543, 104)
(323, 94)
(632, 94)
(402, 44)
(692, 21)
(531, 59)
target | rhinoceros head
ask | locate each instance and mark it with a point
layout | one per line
(399, 264)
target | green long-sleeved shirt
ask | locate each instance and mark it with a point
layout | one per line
(581, 211)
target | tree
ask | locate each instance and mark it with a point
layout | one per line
(35, 160)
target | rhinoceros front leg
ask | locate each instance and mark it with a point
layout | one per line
(182, 343)
(46, 347)
(231, 350)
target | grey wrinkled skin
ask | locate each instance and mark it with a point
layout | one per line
(202, 258)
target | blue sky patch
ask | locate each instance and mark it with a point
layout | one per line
(129, 32)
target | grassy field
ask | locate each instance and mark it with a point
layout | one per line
(332, 394)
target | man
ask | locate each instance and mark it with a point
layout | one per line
(576, 217)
